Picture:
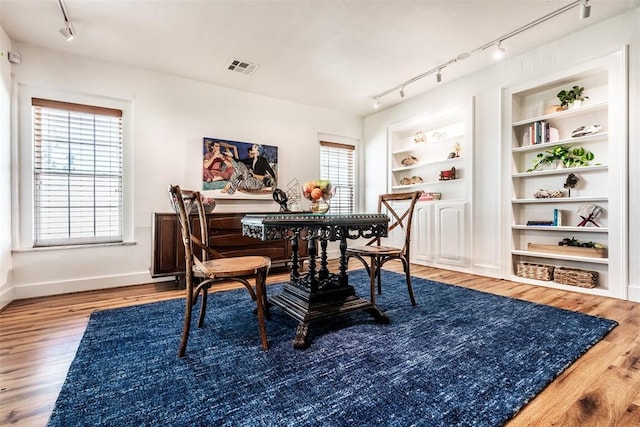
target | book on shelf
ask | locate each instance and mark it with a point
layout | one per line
(557, 217)
(547, 223)
(539, 132)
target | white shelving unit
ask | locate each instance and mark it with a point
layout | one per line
(601, 183)
(441, 228)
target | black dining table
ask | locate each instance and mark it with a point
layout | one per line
(317, 294)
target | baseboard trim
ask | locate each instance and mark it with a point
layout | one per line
(633, 293)
(6, 296)
(80, 285)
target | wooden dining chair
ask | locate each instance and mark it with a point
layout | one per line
(205, 267)
(379, 254)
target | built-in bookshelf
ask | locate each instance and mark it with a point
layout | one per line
(542, 207)
(433, 153)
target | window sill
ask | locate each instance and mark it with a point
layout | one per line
(68, 247)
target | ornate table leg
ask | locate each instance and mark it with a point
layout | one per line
(324, 270)
(295, 273)
(313, 279)
(344, 279)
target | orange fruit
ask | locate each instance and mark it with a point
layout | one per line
(316, 194)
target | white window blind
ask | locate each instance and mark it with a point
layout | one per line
(77, 173)
(337, 164)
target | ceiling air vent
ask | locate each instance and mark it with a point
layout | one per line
(240, 66)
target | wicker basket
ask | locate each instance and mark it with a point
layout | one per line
(534, 271)
(575, 277)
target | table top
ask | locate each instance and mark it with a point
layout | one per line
(323, 226)
(307, 219)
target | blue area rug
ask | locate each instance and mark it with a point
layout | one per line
(460, 358)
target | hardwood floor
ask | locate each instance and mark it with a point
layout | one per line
(39, 337)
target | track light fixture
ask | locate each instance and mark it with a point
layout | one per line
(499, 52)
(67, 31)
(585, 11)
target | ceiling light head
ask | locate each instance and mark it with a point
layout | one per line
(499, 52)
(402, 92)
(68, 32)
(439, 75)
(585, 9)
(376, 103)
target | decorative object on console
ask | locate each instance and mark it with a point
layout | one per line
(419, 137)
(447, 175)
(586, 131)
(573, 97)
(409, 160)
(563, 156)
(209, 204)
(293, 193)
(280, 197)
(319, 192)
(548, 194)
(589, 213)
(571, 182)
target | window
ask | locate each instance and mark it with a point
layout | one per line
(77, 173)
(337, 165)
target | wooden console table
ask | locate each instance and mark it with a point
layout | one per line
(317, 294)
(225, 236)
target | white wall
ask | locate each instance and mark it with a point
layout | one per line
(590, 43)
(168, 117)
(6, 290)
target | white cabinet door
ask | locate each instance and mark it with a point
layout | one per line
(451, 236)
(422, 241)
(439, 237)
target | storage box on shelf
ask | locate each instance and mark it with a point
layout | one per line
(546, 205)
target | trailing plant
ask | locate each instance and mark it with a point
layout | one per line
(567, 97)
(569, 156)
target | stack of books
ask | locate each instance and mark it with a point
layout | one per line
(555, 222)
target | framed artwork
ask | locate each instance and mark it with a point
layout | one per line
(241, 170)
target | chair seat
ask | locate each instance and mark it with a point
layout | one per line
(233, 267)
(374, 250)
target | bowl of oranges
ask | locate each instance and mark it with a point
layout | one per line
(319, 192)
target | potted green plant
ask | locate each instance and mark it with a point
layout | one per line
(567, 157)
(572, 98)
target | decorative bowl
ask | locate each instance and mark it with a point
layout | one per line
(319, 192)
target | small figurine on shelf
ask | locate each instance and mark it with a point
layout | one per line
(571, 182)
(409, 160)
(456, 151)
(589, 213)
(419, 137)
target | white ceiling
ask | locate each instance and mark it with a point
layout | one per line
(335, 54)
